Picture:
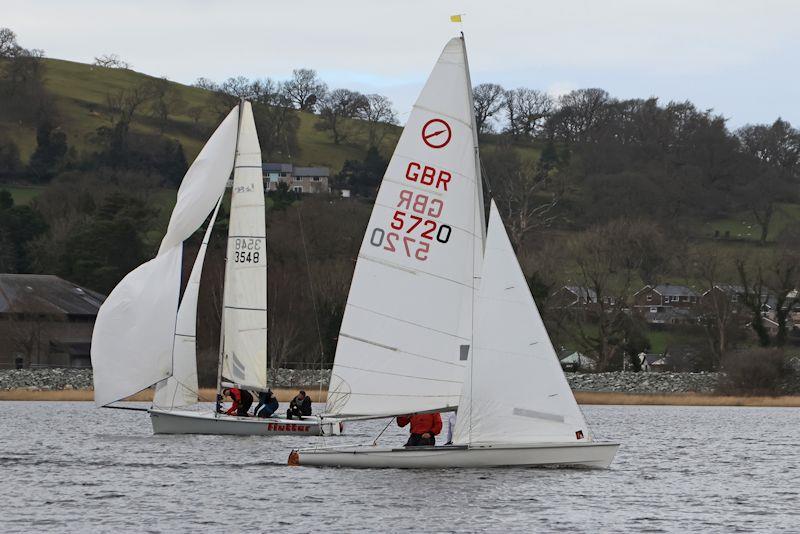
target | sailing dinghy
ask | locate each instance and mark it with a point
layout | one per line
(424, 332)
(145, 333)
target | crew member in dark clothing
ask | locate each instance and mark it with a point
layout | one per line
(300, 406)
(424, 428)
(242, 400)
(267, 404)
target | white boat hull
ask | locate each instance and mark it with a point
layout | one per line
(188, 422)
(597, 455)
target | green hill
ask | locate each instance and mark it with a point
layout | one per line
(80, 94)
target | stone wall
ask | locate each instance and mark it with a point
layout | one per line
(54, 379)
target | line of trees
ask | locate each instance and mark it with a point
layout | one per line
(306, 92)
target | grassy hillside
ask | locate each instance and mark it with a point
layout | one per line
(80, 93)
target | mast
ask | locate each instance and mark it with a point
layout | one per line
(222, 318)
(479, 221)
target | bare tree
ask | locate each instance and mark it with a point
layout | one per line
(8, 44)
(111, 61)
(165, 101)
(488, 99)
(205, 83)
(124, 103)
(719, 305)
(28, 334)
(195, 113)
(608, 259)
(334, 110)
(519, 192)
(376, 110)
(526, 111)
(239, 87)
(305, 89)
(770, 281)
(268, 92)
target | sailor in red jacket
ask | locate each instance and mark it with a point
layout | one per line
(424, 428)
(242, 400)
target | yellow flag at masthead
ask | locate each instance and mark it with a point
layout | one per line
(455, 18)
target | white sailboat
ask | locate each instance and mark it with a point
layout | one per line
(461, 319)
(145, 335)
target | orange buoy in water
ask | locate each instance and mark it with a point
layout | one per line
(294, 458)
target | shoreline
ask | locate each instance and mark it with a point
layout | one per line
(583, 397)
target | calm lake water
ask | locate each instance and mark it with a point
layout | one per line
(71, 467)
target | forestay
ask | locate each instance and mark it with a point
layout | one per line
(514, 390)
(181, 388)
(406, 330)
(245, 298)
(133, 334)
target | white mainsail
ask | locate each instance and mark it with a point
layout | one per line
(406, 330)
(514, 390)
(181, 388)
(244, 315)
(133, 334)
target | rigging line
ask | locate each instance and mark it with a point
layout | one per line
(485, 177)
(374, 443)
(313, 298)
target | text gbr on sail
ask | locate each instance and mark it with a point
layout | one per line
(427, 175)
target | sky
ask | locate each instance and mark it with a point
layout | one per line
(739, 58)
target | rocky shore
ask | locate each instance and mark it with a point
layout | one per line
(652, 383)
(622, 382)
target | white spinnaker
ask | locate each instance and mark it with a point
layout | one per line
(133, 333)
(181, 388)
(515, 391)
(245, 299)
(407, 324)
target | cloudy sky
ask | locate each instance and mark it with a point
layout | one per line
(741, 58)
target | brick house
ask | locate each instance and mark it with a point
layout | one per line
(666, 303)
(724, 292)
(45, 321)
(313, 180)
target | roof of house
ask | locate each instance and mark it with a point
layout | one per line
(295, 171)
(276, 167)
(671, 290)
(586, 293)
(579, 359)
(46, 294)
(311, 171)
(655, 359)
(730, 289)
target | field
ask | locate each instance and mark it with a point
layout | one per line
(743, 226)
(21, 194)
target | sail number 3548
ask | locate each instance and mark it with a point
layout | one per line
(246, 250)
